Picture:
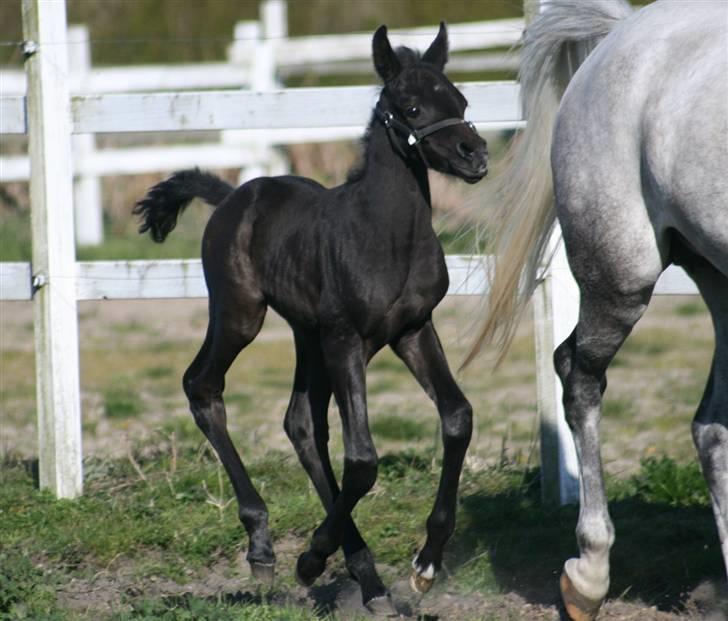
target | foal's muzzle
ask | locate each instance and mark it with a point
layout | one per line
(472, 163)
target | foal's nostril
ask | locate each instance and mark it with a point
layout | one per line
(464, 151)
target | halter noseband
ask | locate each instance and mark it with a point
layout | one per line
(415, 136)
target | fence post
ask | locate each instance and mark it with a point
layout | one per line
(54, 266)
(86, 187)
(261, 54)
(556, 310)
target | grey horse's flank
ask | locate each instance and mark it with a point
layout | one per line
(633, 109)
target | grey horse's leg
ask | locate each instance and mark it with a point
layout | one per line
(710, 426)
(605, 320)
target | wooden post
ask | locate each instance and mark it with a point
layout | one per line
(256, 45)
(54, 267)
(86, 187)
(556, 310)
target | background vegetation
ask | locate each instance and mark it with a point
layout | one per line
(163, 31)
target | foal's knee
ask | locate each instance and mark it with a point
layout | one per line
(203, 397)
(457, 425)
(360, 473)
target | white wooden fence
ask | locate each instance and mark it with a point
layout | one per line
(55, 281)
(260, 54)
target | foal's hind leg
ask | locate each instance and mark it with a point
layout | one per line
(605, 319)
(345, 366)
(422, 353)
(307, 427)
(231, 328)
(710, 426)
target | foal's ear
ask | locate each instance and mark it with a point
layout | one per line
(385, 60)
(436, 54)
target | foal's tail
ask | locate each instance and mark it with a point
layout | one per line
(159, 209)
(519, 225)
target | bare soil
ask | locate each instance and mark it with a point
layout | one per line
(336, 592)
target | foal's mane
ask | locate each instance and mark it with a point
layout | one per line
(408, 58)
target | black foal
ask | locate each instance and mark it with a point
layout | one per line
(352, 269)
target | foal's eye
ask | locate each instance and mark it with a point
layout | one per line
(412, 112)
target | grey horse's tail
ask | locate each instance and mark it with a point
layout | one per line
(159, 209)
(519, 225)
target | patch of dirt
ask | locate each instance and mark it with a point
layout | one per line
(114, 588)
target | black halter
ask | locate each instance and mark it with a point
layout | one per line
(415, 136)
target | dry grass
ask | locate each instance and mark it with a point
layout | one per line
(134, 353)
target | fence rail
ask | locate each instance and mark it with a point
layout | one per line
(261, 53)
(491, 104)
(55, 281)
(183, 278)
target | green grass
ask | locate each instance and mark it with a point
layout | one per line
(692, 308)
(188, 608)
(122, 401)
(619, 409)
(171, 516)
(392, 427)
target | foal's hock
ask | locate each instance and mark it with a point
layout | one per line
(352, 269)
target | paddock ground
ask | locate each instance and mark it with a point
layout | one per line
(133, 354)
(504, 559)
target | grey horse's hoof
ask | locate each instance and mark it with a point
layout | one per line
(264, 573)
(578, 606)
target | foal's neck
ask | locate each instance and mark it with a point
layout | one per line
(395, 168)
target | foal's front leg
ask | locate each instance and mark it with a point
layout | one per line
(422, 353)
(307, 427)
(345, 364)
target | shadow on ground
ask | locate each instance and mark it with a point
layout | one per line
(661, 556)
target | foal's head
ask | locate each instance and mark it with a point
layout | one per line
(425, 110)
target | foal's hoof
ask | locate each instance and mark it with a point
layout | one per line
(308, 568)
(264, 573)
(382, 606)
(421, 580)
(578, 606)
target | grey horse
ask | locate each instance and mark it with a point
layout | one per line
(632, 108)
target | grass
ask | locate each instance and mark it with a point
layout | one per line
(122, 401)
(393, 427)
(690, 309)
(165, 515)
